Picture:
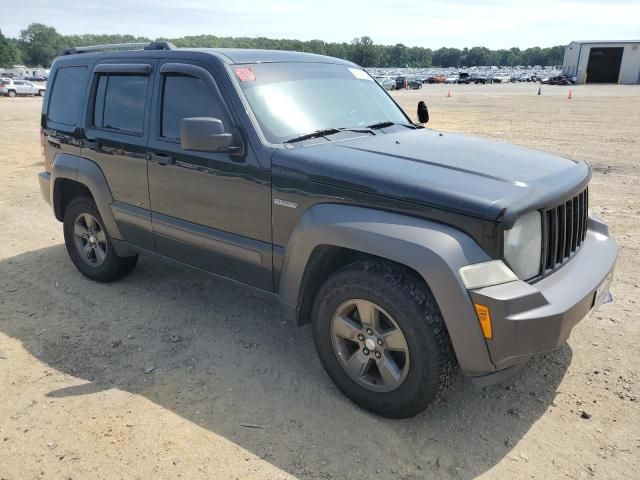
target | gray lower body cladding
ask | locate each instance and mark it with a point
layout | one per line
(527, 319)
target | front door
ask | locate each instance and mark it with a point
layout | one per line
(210, 210)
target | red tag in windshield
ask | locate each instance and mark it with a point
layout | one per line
(245, 74)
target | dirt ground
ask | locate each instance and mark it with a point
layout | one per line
(172, 373)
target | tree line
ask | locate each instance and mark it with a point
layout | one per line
(39, 44)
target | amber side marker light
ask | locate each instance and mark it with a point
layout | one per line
(485, 320)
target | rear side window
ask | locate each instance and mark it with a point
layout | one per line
(120, 102)
(67, 95)
(183, 97)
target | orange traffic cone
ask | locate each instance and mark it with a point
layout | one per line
(569, 97)
(449, 93)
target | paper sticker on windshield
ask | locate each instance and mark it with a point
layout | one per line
(245, 74)
(360, 74)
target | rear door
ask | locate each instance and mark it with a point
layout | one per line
(209, 209)
(117, 132)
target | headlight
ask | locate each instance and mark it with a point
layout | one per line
(523, 245)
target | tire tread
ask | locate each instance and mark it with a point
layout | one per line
(430, 329)
(114, 266)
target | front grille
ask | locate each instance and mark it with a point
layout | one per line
(565, 228)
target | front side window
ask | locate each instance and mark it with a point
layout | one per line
(185, 96)
(290, 99)
(120, 103)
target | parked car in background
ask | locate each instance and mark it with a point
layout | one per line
(35, 79)
(451, 79)
(437, 78)
(478, 78)
(386, 82)
(560, 80)
(464, 77)
(500, 78)
(401, 82)
(13, 88)
(414, 84)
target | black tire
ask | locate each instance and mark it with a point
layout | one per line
(41, 93)
(406, 298)
(12, 93)
(112, 267)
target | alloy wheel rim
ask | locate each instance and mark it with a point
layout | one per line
(90, 240)
(370, 345)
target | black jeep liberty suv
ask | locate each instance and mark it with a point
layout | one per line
(412, 252)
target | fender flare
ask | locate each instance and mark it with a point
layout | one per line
(434, 250)
(89, 174)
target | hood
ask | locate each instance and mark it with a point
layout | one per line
(475, 176)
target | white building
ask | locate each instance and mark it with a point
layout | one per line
(605, 61)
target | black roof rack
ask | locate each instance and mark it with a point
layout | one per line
(120, 46)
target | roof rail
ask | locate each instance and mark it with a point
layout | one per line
(120, 46)
(160, 46)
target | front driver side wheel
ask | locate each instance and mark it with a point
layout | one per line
(381, 338)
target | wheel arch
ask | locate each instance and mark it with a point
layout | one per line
(73, 175)
(329, 235)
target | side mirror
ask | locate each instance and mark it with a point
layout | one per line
(423, 112)
(206, 134)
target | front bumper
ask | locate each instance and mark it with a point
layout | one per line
(528, 319)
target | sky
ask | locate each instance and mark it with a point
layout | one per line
(424, 23)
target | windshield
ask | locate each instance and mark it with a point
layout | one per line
(293, 99)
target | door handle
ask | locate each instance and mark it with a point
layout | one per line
(160, 158)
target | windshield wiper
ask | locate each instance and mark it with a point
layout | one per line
(376, 126)
(316, 134)
(327, 131)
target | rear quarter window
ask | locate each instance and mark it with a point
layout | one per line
(67, 95)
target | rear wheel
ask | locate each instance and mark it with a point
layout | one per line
(12, 93)
(89, 245)
(41, 93)
(381, 338)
